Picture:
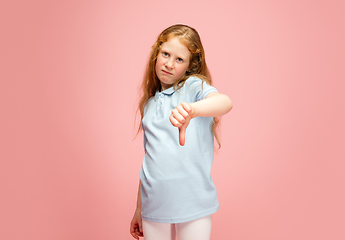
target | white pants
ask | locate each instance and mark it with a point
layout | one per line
(199, 229)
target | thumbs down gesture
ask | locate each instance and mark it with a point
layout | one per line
(180, 117)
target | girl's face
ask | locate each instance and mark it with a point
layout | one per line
(172, 62)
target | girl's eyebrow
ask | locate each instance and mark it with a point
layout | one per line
(164, 50)
(183, 57)
(167, 51)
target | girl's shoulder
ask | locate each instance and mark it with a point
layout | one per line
(193, 82)
(197, 88)
(193, 79)
(149, 102)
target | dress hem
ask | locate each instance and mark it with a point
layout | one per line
(181, 220)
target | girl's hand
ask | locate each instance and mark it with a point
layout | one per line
(136, 228)
(180, 117)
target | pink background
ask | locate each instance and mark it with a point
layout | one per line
(70, 72)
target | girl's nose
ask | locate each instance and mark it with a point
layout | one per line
(169, 64)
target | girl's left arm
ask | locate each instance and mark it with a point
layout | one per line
(214, 105)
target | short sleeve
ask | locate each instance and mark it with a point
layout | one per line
(198, 88)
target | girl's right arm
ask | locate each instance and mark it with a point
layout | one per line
(136, 229)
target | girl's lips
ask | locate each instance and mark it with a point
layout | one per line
(167, 72)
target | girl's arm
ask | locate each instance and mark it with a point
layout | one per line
(214, 105)
(139, 196)
(136, 229)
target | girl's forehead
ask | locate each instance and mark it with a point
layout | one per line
(174, 43)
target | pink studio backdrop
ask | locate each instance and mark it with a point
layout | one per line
(70, 72)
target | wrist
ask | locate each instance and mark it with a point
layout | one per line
(193, 113)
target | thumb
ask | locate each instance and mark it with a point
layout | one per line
(182, 132)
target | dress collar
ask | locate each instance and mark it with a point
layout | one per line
(168, 91)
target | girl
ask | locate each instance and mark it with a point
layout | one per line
(179, 110)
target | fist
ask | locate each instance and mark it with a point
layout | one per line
(180, 118)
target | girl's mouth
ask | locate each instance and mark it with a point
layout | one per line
(167, 72)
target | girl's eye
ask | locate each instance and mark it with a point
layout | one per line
(179, 60)
(165, 54)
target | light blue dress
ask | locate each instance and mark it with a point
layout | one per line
(176, 181)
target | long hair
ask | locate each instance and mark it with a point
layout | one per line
(197, 66)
